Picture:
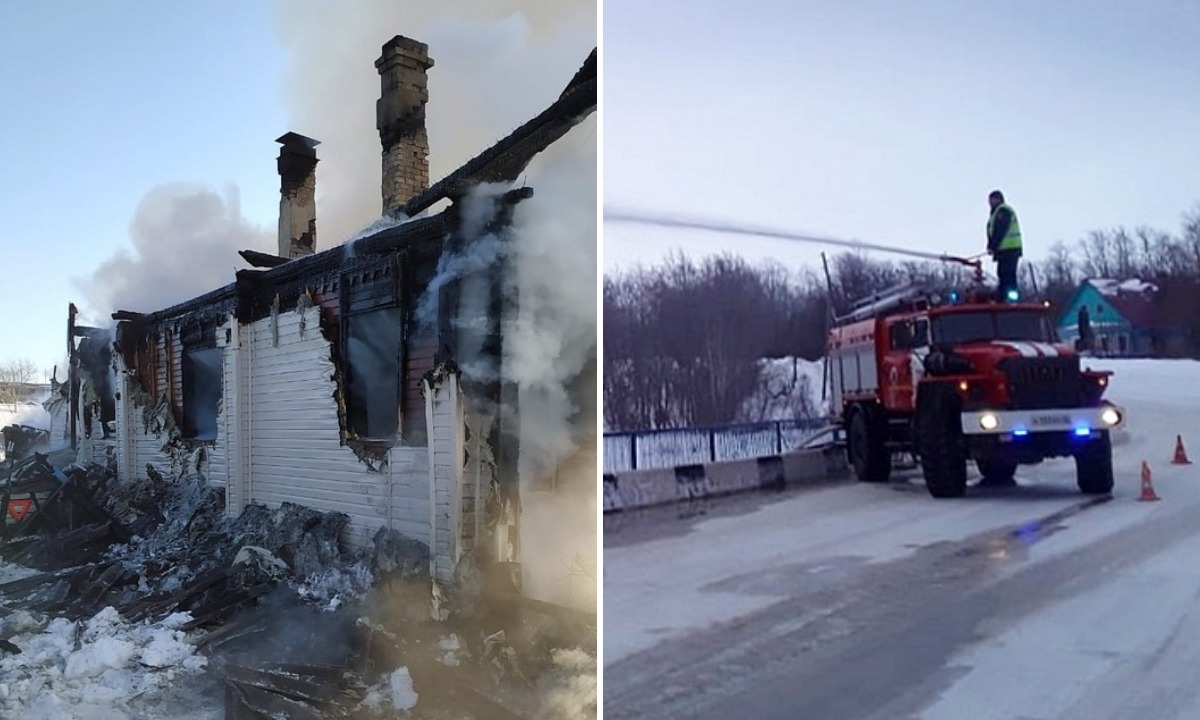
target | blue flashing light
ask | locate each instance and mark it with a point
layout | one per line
(1083, 431)
(953, 296)
(1020, 432)
(1013, 295)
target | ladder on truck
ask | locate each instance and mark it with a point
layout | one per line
(907, 295)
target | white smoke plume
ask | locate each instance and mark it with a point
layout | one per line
(185, 241)
(550, 351)
(497, 63)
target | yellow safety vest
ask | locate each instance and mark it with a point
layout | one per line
(1011, 239)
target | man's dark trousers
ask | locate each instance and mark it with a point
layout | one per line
(1006, 269)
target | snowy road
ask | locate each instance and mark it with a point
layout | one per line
(878, 602)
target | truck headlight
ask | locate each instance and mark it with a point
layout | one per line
(1110, 416)
(989, 421)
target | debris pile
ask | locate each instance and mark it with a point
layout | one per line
(276, 618)
(20, 440)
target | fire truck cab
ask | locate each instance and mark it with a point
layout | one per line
(951, 379)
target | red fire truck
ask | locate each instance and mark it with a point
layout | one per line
(951, 379)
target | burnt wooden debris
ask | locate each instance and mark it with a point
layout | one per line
(19, 440)
(84, 531)
(85, 541)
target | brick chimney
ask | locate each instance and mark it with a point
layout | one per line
(400, 117)
(298, 191)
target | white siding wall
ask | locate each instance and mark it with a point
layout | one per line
(136, 448)
(147, 446)
(95, 449)
(292, 434)
(446, 443)
(278, 440)
(235, 412)
(478, 470)
(59, 421)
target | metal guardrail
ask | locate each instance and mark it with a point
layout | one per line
(650, 449)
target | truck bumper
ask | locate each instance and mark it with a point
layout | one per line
(1014, 425)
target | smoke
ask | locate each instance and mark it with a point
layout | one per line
(495, 61)
(185, 239)
(550, 351)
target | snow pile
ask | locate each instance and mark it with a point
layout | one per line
(788, 388)
(1112, 288)
(450, 646)
(10, 572)
(27, 412)
(393, 691)
(103, 667)
(569, 689)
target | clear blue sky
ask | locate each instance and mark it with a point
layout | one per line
(890, 122)
(100, 103)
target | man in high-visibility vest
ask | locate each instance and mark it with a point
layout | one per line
(1004, 245)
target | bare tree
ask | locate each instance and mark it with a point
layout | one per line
(15, 378)
(1097, 255)
(684, 341)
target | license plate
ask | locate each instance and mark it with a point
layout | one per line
(1050, 421)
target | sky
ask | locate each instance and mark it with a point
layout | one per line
(138, 138)
(99, 104)
(890, 123)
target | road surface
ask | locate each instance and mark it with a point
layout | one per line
(860, 601)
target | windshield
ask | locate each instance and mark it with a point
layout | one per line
(957, 328)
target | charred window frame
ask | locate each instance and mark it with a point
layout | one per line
(202, 383)
(93, 354)
(374, 330)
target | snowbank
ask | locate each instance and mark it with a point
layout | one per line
(103, 668)
(1112, 288)
(30, 413)
(788, 388)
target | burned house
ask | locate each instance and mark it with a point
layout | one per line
(313, 378)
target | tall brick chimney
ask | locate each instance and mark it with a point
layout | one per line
(298, 191)
(400, 117)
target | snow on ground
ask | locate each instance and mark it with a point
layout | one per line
(101, 669)
(1091, 655)
(719, 570)
(10, 572)
(394, 691)
(570, 690)
(787, 388)
(1128, 648)
(30, 413)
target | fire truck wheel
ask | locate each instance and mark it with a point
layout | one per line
(939, 438)
(871, 460)
(1093, 467)
(996, 472)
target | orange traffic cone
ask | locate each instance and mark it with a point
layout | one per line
(1181, 457)
(1147, 485)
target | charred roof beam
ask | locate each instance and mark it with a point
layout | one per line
(505, 160)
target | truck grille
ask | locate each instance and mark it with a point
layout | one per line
(1036, 383)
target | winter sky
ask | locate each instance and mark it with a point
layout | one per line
(101, 103)
(138, 137)
(890, 122)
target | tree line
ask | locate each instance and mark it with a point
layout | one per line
(15, 378)
(684, 340)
